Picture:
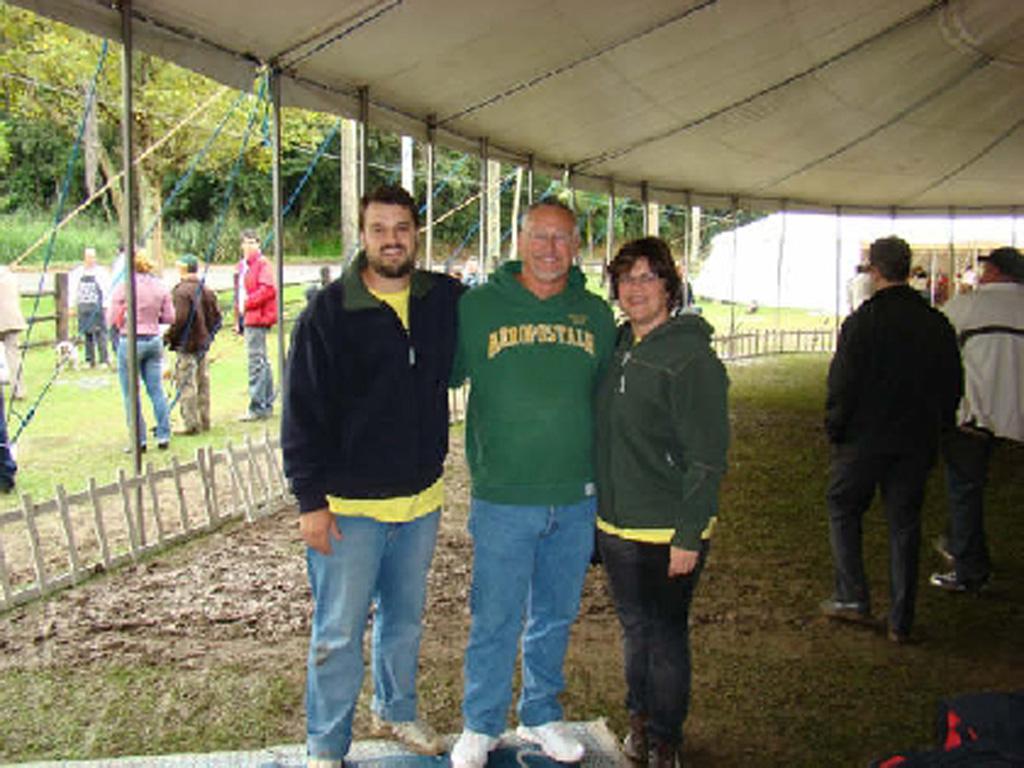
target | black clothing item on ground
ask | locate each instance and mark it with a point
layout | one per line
(366, 402)
(654, 612)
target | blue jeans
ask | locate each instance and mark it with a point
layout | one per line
(529, 564)
(149, 350)
(378, 562)
(261, 378)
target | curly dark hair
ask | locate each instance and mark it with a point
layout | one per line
(389, 194)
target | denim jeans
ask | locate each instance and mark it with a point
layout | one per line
(261, 378)
(385, 563)
(853, 477)
(149, 350)
(529, 564)
(654, 612)
(966, 455)
(8, 467)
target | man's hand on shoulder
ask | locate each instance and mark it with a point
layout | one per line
(318, 528)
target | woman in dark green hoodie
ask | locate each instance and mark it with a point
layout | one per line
(662, 434)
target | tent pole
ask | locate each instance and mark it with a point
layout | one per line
(687, 243)
(645, 208)
(952, 286)
(431, 139)
(278, 215)
(482, 216)
(1013, 235)
(732, 275)
(839, 265)
(609, 231)
(529, 181)
(128, 235)
(364, 122)
(778, 267)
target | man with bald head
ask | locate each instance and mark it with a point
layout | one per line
(533, 341)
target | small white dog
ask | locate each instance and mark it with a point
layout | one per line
(67, 354)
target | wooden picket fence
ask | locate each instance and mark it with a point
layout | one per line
(773, 342)
(67, 539)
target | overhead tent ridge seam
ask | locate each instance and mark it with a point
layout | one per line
(909, 20)
(280, 60)
(976, 66)
(187, 35)
(536, 80)
(972, 160)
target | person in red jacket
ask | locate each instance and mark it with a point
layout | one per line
(258, 301)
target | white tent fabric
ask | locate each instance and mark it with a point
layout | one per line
(865, 104)
(807, 244)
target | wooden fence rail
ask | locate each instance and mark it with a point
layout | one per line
(773, 342)
(74, 535)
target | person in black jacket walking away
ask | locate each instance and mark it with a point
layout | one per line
(893, 387)
(364, 434)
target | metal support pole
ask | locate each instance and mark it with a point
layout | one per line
(278, 215)
(364, 123)
(431, 138)
(778, 267)
(1013, 234)
(735, 255)
(484, 190)
(408, 175)
(609, 231)
(687, 252)
(952, 257)
(644, 207)
(529, 181)
(128, 149)
(839, 262)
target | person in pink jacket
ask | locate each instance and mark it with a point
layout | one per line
(153, 307)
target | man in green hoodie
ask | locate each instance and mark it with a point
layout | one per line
(533, 341)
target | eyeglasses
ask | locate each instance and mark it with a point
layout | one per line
(558, 238)
(645, 279)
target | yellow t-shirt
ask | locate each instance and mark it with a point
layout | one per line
(398, 509)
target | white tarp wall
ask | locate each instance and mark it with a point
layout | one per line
(809, 254)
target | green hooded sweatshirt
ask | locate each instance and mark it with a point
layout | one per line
(662, 435)
(533, 367)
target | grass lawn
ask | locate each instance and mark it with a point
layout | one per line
(202, 647)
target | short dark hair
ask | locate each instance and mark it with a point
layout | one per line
(248, 234)
(389, 194)
(551, 202)
(891, 257)
(659, 259)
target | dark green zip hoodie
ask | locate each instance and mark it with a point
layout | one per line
(662, 434)
(533, 367)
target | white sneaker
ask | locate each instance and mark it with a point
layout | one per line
(416, 735)
(322, 762)
(471, 749)
(555, 739)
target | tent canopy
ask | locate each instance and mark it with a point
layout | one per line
(865, 104)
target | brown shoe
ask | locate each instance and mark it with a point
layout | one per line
(664, 756)
(635, 744)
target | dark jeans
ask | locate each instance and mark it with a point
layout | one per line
(966, 454)
(654, 612)
(853, 478)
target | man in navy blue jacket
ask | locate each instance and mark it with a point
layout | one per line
(364, 434)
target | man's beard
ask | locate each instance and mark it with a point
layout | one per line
(393, 271)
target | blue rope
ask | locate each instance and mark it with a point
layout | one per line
(228, 195)
(184, 179)
(58, 215)
(321, 150)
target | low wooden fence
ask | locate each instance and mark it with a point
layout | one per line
(773, 342)
(70, 537)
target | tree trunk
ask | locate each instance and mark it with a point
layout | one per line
(90, 141)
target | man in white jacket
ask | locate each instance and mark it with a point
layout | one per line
(990, 328)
